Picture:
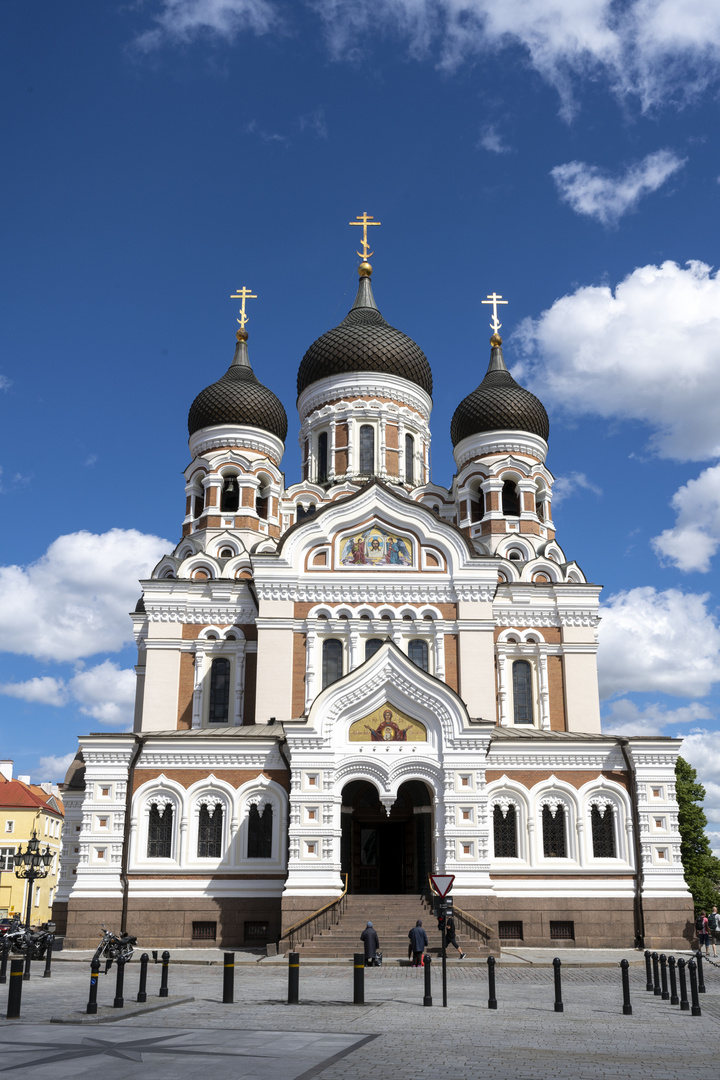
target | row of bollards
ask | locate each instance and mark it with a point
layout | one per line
(119, 1000)
(657, 970)
(5, 952)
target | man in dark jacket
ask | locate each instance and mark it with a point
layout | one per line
(371, 943)
(418, 942)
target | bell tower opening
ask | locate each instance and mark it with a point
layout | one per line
(384, 853)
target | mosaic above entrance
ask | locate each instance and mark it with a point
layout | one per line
(376, 546)
(387, 725)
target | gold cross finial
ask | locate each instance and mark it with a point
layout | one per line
(242, 295)
(494, 299)
(365, 219)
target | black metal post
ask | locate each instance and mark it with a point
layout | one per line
(648, 971)
(674, 999)
(142, 988)
(229, 978)
(15, 990)
(684, 1003)
(557, 964)
(427, 1000)
(665, 995)
(359, 978)
(492, 999)
(164, 975)
(444, 968)
(701, 979)
(656, 975)
(119, 1001)
(5, 947)
(293, 977)
(696, 1010)
(47, 973)
(92, 1000)
(625, 967)
(28, 961)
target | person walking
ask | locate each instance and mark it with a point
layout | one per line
(703, 933)
(418, 943)
(450, 938)
(371, 943)
(714, 929)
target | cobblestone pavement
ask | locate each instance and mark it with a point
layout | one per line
(524, 1040)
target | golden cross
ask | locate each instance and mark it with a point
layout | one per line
(494, 299)
(242, 295)
(365, 219)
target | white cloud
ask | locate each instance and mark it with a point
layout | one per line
(654, 641)
(179, 22)
(649, 351)
(491, 140)
(105, 692)
(315, 123)
(4, 382)
(696, 535)
(702, 750)
(42, 690)
(565, 486)
(626, 718)
(54, 768)
(74, 601)
(592, 191)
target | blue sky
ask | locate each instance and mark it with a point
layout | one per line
(159, 154)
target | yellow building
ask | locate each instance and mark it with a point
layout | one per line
(26, 808)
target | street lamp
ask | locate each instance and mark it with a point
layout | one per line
(32, 864)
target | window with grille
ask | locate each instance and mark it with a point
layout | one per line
(204, 931)
(409, 459)
(603, 832)
(554, 833)
(332, 662)
(257, 932)
(372, 645)
(260, 832)
(322, 458)
(210, 832)
(219, 691)
(562, 931)
(522, 692)
(160, 832)
(418, 653)
(6, 858)
(367, 450)
(510, 931)
(505, 832)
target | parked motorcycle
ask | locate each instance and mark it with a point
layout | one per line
(33, 941)
(114, 947)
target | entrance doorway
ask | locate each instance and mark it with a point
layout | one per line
(384, 854)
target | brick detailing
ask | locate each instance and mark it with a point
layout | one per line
(298, 676)
(187, 777)
(391, 437)
(391, 462)
(551, 634)
(451, 661)
(577, 777)
(556, 687)
(185, 692)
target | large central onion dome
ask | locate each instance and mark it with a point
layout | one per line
(239, 398)
(499, 404)
(365, 342)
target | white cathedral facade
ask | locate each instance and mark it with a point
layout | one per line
(364, 677)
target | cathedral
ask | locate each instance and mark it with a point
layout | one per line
(351, 682)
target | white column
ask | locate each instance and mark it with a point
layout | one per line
(439, 644)
(401, 451)
(352, 467)
(331, 462)
(239, 683)
(382, 457)
(310, 668)
(544, 693)
(355, 660)
(198, 685)
(502, 690)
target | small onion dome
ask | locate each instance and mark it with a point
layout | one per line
(239, 398)
(499, 404)
(365, 342)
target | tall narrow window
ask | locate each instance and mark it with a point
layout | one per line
(219, 691)
(230, 497)
(372, 645)
(418, 653)
(409, 459)
(262, 501)
(505, 832)
(332, 662)
(322, 458)
(477, 507)
(367, 450)
(210, 832)
(260, 833)
(160, 832)
(510, 499)
(522, 692)
(603, 832)
(554, 833)
(198, 504)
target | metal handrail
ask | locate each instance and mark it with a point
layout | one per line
(339, 902)
(474, 923)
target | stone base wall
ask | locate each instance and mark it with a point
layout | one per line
(669, 924)
(296, 908)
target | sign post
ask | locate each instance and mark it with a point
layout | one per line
(442, 884)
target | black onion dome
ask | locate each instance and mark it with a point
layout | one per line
(365, 342)
(238, 398)
(499, 404)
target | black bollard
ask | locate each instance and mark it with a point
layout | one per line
(684, 1003)
(557, 964)
(648, 971)
(427, 1000)
(28, 962)
(625, 968)
(492, 1000)
(4, 949)
(701, 980)
(15, 990)
(674, 999)
(92, 1000)
(656, 975)
(229, 978)
(692, 968)
(359, 978)
(164, 975)
(119, 1001)
(663, 977)
(47, 973)
(293, 977)
(142, 988)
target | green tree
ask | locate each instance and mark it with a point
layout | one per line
(702, 869)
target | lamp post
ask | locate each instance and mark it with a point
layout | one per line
(32, 864)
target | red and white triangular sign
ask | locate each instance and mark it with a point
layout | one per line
(442, 883)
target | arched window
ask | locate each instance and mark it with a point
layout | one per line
(409, 459)
(219, 691)
(305, 511)
(505, 831)
(603, 832)
(372, 645)
(418, 653)
(554, 832)
(510, 499)
(262, 501)
(540, 510)
(160, 832)
(332, 662)
(210, 832)
(322, 457)
(522, 692)
(260, 833)
(367, 450)
(230, 497)
(198, 504)
(477, 506)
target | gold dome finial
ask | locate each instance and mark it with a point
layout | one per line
(365, 219)
(495, 340)
(242, 295)
(241, 335)
(365, 269)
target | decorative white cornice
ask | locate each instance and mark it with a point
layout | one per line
(364, 385)
(204, 613)
(248, 438)
(526, 617)
(499, 442)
